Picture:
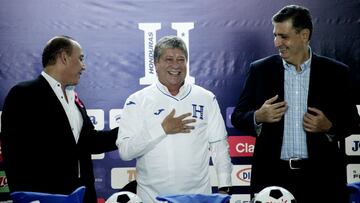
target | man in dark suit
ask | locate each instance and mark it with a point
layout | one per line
(298, 105)
(46, 135)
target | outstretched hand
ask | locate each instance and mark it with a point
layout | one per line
(172, 125)
(271, 111)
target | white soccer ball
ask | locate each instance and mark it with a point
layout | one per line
(274, 194)
(124, 197)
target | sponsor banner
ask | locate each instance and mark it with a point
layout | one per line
(98, 156)
(101, 200)
(221, 45)
(352, 145)
(240, 175)
(101, 181)
(1, 156)
(122, 176)
(114, 118)
(241, 146)
(353, 173)
(229, 111)
(97, 118)
(4, 188)
(244, 198)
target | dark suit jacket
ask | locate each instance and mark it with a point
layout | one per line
(39, 149)
(328, 91)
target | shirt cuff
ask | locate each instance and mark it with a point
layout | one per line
(224, 180)
(257, 127)
(330, 137)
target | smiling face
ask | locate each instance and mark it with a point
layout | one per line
(171, 69)
(292, 44)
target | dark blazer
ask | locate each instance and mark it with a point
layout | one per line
(328, 91)
(38, 146)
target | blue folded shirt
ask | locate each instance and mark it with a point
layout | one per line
(195, 198)
(26, 197)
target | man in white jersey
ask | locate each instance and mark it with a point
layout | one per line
(172, 128)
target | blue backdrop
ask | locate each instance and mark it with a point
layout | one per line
(118, 38)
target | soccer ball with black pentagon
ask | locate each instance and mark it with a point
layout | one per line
(124, 197)
(274, 194)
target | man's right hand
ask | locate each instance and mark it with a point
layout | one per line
(271, 112)
(172, 125)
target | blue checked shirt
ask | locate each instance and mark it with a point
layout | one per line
(296, 93)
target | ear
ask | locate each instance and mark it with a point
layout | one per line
(305, 34)
(63, 57)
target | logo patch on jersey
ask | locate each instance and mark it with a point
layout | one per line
(130, 103)
(198, 112)
(159, 112)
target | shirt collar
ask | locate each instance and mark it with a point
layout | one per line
(183, 91)
(54, 83)
(304, 66)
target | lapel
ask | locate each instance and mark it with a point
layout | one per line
(80, 105)
(314, 83)
(47, 92)
(278, 76)
(84, 115)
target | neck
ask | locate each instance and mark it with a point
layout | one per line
(52, 72)
(174, 92)
(174, 89)
(300, 60)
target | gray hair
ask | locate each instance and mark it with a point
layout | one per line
(169, 42)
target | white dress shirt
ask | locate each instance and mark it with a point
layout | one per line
(72, 112)
(174, 163)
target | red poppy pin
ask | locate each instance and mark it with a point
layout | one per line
(78, 102)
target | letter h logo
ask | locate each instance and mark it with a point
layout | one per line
(199, 111)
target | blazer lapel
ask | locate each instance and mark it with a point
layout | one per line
(79, 104)
(313, 83)
(49, 93)
(279, 77)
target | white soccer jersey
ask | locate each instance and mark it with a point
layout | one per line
(174, 163)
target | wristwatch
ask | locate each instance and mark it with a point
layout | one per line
(225, 189)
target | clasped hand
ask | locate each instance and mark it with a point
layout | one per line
(271, 112)
(315, 121)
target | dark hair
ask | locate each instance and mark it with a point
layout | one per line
(300, 16)
(169, 42)
(54, 46)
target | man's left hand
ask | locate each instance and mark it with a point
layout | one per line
(315, 121)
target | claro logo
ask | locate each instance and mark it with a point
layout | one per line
(241, 146)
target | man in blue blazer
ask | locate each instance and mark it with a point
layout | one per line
(46, 135)
(299, 107)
